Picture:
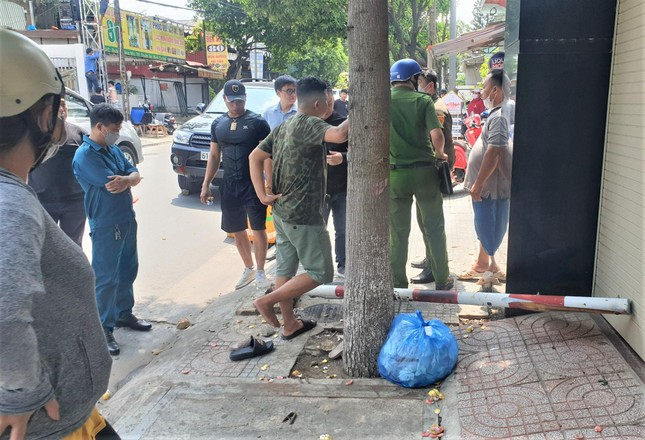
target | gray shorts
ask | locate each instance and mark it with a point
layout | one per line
(306, 244)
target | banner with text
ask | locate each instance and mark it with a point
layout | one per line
(144, 37)
(216, 53)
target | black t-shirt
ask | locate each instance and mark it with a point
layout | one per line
(341, 107)
(97, 99)
(54, 179)
(236, 138)
(337, 174)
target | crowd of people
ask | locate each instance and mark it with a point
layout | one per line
(293, 158)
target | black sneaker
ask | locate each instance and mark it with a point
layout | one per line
(112, 345)
(448, 285)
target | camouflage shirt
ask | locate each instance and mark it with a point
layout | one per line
(299, 168)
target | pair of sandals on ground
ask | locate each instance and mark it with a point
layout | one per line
(252, 346)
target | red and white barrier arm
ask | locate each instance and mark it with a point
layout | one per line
(616, 306)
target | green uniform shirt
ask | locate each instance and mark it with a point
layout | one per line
(412, 118)
(299, 168)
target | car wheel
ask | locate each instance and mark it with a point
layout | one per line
(129, 153)
(188, 185)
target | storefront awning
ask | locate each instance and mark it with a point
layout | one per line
(473, 40)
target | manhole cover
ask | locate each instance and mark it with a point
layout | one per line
(324, 312)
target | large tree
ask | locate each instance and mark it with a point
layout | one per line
(287, 28)
(368, 287)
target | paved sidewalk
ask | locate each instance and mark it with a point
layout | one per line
(550, 375)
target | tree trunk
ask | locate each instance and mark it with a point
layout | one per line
(368, 287)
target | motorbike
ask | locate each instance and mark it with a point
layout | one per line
(474, 127)
(170, 122)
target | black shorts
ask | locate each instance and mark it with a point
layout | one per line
(238, 200)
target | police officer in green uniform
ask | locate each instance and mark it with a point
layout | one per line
(412, 174)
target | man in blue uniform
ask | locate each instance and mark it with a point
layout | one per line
(106, 177)
(91, 71)
(233, 136)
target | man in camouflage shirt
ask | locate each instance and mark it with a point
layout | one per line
(299, 181)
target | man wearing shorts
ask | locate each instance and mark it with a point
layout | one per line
(299, 182)
(233, 136)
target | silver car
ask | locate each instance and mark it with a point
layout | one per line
(78, 113)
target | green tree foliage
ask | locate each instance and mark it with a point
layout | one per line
(408, 21)
(290, 29)
(326, 61)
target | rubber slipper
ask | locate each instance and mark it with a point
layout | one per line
(472, 274)
(257, 348)
(307, 324)
(336, 352)
(500, 275)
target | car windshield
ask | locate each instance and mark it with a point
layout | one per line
(257, 100)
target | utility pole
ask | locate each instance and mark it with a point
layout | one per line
(125, 94)
(453, 35)
(432, 32)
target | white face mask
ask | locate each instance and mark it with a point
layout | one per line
(488, 103)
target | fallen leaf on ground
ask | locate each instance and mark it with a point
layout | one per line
(185, 371)
(264, 367)
(598, 428)
(437, 411)
(296, 373)
(156, 351)
(469, 329)
(183, 324)
(106, 395)
(349, 382)
(331, 376)
(324, 361)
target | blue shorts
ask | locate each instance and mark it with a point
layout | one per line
(239, 202)
(491, 222)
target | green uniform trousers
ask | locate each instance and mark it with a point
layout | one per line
(422, 184)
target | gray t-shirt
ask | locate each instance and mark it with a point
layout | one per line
(494, 135)
(51, 341)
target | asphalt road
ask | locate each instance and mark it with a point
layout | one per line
(185, 260)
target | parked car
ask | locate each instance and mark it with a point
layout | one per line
(78, 113)
(191, 142)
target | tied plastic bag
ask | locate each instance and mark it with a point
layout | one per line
(417, 353)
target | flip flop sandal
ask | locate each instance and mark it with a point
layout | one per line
(307, 324)
(500, 275)
(472, 274)
(257, 347)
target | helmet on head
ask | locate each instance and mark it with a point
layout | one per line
(404, 69)
(26, 74)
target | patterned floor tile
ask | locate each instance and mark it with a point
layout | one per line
(506, 412)
(628, 432)
(495, 368)
(490, 335)
(573, 358)
(588, 401)
(546, 327)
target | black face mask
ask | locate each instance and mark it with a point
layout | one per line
(44, 144)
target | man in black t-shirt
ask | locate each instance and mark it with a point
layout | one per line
(57, 188)
(97, 97)
(233, 136)
(336, 195)
(341, 106)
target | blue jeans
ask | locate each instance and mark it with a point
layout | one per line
(337, 205)
(491, 222)
(92, 82)
(116, 264)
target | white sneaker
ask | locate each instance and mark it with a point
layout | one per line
(261, 280)
(246, 278)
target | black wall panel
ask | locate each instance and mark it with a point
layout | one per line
(563, 74)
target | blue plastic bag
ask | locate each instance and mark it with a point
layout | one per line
(417, 353)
